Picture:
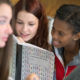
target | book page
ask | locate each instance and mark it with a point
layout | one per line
(28, 58)
(37, 60)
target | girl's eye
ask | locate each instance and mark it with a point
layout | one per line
(53, 30)
(19, 22)
(31, 24)
(61, 33)
(2, 22)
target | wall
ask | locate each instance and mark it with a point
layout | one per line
(52, 5)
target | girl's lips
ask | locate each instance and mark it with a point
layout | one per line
(55, 43)
(24, 35)
(5, 39)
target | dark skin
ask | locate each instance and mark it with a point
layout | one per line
(70, 53)
(63, 36)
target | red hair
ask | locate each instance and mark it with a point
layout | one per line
(36, 8)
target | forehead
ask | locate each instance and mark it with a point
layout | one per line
(26, 15)
(5, 10)
(61, 25)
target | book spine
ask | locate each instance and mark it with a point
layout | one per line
(18, 62)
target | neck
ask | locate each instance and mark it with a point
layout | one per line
(70, 52)
(72, 47)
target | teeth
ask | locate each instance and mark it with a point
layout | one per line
(55, 42)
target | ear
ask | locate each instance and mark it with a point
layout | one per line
(77, 36)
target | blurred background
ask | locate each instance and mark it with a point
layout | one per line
(52, 5)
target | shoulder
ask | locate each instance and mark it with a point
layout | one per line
(10, 78)
(50, 25)
(75, 74)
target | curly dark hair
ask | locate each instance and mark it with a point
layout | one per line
(70, 14)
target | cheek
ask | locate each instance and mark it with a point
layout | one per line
(3, 29)
(67, 40)
(18, 27)
(34, 32)
(34, 29)
(1, 35)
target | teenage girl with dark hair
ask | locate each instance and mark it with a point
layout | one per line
(66, 40)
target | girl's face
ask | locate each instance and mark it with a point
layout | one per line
(26, 25)
(62, 34)
(5, 28)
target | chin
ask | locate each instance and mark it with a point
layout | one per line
(57, 46)
(26, 40)
(2, 45)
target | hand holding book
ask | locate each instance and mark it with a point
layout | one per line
(20, 40)
(32, 76)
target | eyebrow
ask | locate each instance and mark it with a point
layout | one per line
(3, 17)
(19, 19)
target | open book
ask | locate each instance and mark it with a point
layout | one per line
(28, 58)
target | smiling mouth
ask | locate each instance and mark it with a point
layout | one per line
(5, 39)
(55, 43)
(24, 35)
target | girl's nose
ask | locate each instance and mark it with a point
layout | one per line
(9, 29)
(25, 28)
(54, 35)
